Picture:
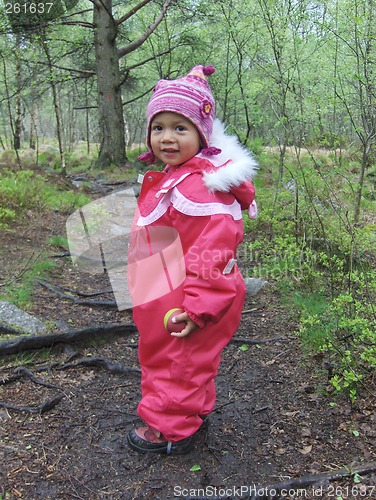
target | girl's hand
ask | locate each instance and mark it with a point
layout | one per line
(191, 325)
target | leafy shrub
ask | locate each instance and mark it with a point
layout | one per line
(345, 330)
(283, 259)
(306, 243)
(6, 215)
(24, 190)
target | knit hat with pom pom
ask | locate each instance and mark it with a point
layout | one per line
(189, 96)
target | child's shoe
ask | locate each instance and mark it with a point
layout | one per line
(149, 440)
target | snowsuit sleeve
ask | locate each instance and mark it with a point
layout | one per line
(209, 243)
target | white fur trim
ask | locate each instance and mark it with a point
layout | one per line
(235, 164)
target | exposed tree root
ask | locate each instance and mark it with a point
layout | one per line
(257, 341)
(21, 372)
(42, 408)
(26, 342)
(8, 330)
(111, 304)
(101, 363)
(42, 341)
(278, 490)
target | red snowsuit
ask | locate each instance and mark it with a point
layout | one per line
(178, 373)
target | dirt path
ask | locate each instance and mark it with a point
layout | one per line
(275, 418)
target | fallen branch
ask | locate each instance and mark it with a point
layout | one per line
(22, 371)
(93, 294)
(108, 365)
(23, 270)
(249, 311)
(42, 408)
(8, 330)
(257, 341)
(27, 342)
(270, 492)
(101, 363)
(111, 304)
(59, 255)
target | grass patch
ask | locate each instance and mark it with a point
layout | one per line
(26, 190)
(20, 292)
(59, 241)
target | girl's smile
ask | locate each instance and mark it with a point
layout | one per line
(173, 138)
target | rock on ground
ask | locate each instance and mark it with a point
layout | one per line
(14, 317)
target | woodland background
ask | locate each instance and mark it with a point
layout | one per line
(295, 81)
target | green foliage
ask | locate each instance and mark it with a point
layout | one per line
(58, 241)
(195, 468)
(24, 190)
(256, 145)
(20, 292)
(17, 192)
(285, 76)
(25, 15)
(305, 243)
(134, 153)
(283, 259)
(345, 331)
(31, 358)
(65, 201)
(7, 496)
(6, 216)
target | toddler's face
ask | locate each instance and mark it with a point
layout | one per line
(173, 138)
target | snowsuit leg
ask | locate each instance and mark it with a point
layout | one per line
(178, 373)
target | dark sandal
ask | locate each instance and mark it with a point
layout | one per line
(156, 445)
(205, 421)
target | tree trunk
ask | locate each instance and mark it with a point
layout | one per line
(33, 122)
(359, 191)
(87, 119)
(18, 119)
(59, 129)
(366, 91)
(111, 120)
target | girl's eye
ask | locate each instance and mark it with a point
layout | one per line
(157, 128)
(180, 128)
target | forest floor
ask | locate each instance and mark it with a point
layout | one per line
(276, 421)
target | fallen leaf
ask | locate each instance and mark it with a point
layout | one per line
(307, 449)
(271, 362)
(342, 427)
(280, 451)
(305, 432)
(195, 468)
(291, 413)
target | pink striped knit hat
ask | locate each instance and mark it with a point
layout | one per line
(189, 96)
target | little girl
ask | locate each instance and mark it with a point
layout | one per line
(190, 221)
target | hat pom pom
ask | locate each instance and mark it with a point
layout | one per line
(208, 70)
(147, 157)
